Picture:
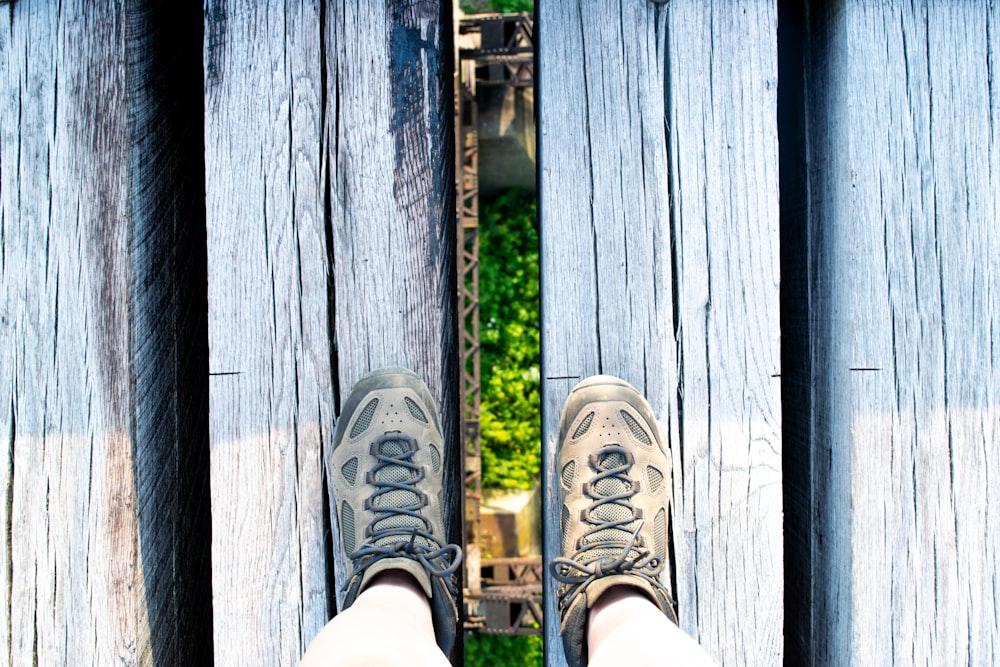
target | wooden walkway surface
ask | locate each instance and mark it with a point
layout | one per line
(892, 376)
(332, 147)
(214, 220)
(659, 231)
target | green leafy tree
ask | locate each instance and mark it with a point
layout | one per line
(500, 651)
(503, 6)
(510, 421)
(509, 355)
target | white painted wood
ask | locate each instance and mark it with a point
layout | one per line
(331, 253)
(271, 391)
(96, 556)
(904, 256)
(659, 219)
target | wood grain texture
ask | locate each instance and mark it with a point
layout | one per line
(391, 207)
(331, 253)
(94, 333)
(271, 391)
(659, 219)
(168, 325)
(900, 207)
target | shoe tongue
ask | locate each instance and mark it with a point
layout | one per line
(616, 538)
(396, 498)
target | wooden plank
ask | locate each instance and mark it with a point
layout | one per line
(100, 555)
(659, 208)
(168, 323)
(900, 208)
(390, 161)
(331, 253)
(271, 391)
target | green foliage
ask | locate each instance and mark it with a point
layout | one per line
(510, 421)
(499, 651)
(503, 6)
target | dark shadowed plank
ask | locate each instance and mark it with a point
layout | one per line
(391, 204)
(103, 414)
(166, 189)
(270, 387)
(659, 218)
(900, 208)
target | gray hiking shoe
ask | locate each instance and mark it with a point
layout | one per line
(386, 470)
(615, 476)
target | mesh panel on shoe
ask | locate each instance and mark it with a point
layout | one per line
(584, 426)
(396, 498)
(655, 478)
(610, 486)
(567, 474)
(660, 534)
(435, 458)
(415, 410)
(365, 419)
(611, 512)
(347, 527)
(350, 471)
(638, 431)
(611, 460)
(618, 537)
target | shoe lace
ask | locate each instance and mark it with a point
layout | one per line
(399, 529)
(612, 544)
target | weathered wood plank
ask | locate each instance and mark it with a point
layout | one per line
(391, 207)
(271, 391)
(724, 170)
(900, 208)
(331, 253)
(168, 322)
(659, 208)
(100, 554)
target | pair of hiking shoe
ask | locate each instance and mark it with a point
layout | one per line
(615, 478)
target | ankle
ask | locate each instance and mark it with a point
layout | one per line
(398, 593)
(621, 626)
(621, 601)
(397, 587)
(397, 580)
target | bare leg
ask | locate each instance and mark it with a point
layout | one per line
(388, 624)
(626, 628)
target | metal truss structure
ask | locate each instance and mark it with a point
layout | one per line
(510, 600)
(502, 595)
